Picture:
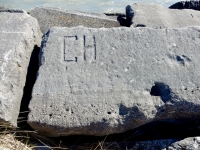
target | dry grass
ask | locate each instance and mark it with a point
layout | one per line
(9, 142)
(18, 139)
(13, 139)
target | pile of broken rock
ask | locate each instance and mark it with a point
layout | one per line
(97, 77)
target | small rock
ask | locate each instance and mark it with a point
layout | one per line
(192, 4)
(190, 143)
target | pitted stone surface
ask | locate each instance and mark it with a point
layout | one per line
(50, 17)
(156, 16)
(105, 81)
(19, 33)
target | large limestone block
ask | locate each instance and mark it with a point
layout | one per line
(156, 16)
(105, 81)
(49, 17)
(19, 34)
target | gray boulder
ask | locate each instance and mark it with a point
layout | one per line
(155, 16)
(49, 17)
(191, 143)
(19, 34)
(1, 7)
(192, 4)
(106, 81)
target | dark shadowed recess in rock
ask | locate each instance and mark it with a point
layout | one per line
(140, 25)
(30, 81)
(121, 18)
(151, 131)
(162, 90)
(192, 4)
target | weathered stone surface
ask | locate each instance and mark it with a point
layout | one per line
(192, 4)
(19, 33)
(105, 81)
(155, 16)
(49, 17)
(191, 143)
(1, 7)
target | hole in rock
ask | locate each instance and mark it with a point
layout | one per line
(30, 81)
(109, 112)
(192, 91)
(181, 60)
(140, 25)
(162, 90)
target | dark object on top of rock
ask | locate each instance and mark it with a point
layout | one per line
(193, 4)
(120, 17)
(2, 9)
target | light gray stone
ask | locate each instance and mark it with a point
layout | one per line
(156, 16)
(1, 7)
(19, 33)
(49, 17)
(106, 81)
(191, 143)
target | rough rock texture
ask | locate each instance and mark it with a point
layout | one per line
(156, 16)
(192, 4)
(19, 33)
(49, 17)
(191, 143)
(105, 81)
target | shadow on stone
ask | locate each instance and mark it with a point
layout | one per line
(30, 81)
(122, 21)
(121, 18)
(151, 131)
(162, 90)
